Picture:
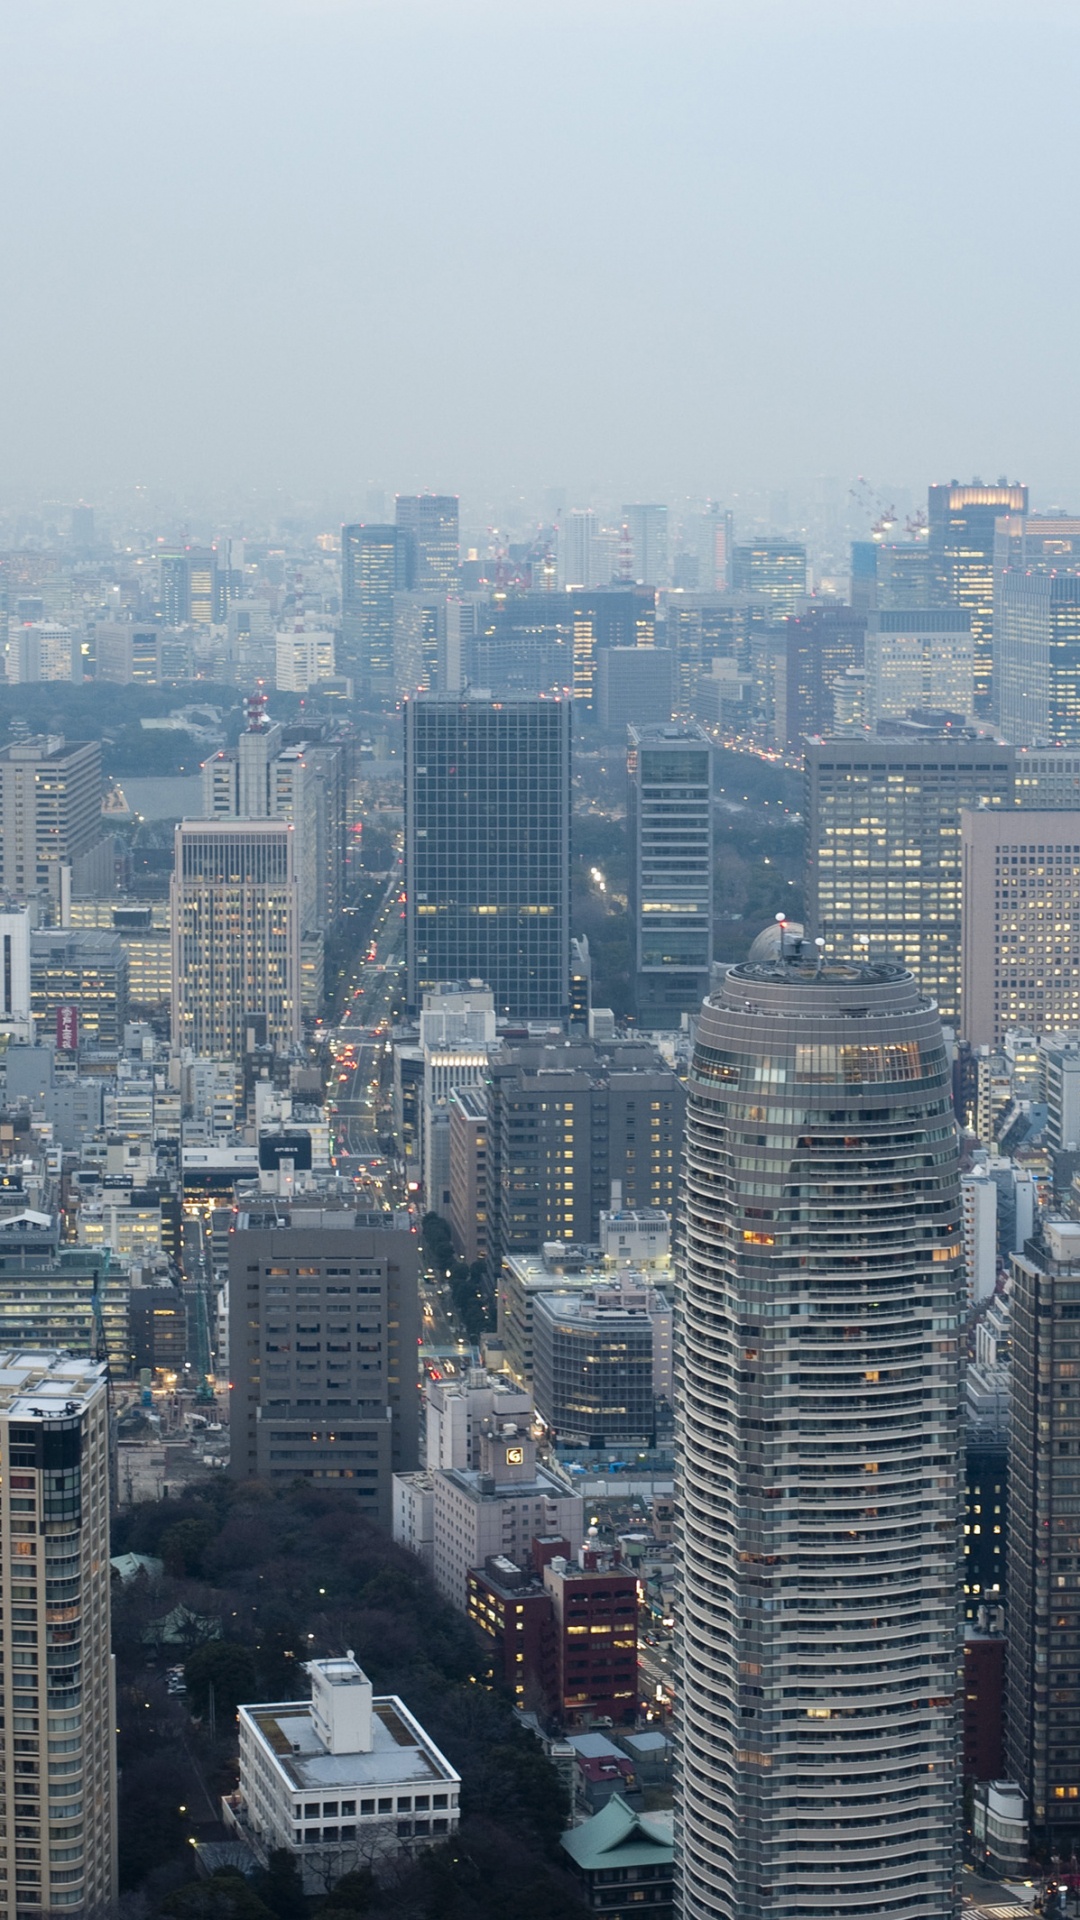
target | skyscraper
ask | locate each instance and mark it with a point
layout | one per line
(430, 521)
(235, 920)
(883, 847)
(961, 537)
(487, 848)
(918, 657)
(579, 561)
(376, 563)
(1021, 923)
(50, 810)
(647, 526)
(775, 568)
(670, 823)
(1042, 1612)
(57, 1747)
(818, 1463)
(1037, 655)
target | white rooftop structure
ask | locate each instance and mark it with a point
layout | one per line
(340, 1778)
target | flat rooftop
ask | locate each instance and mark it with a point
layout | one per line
(45, 1385)
(401, 1750)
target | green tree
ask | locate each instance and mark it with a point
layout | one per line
(354, 1893)
(280, 1886)
(225, 1666)
(225, 1896)
(182, 1547)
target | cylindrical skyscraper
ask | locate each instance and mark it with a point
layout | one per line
(819, 1483)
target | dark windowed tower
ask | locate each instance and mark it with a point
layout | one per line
(430, 522)
(961, 537)
(487, 848)
(376, 563)
(818, 1459)
(669, 815)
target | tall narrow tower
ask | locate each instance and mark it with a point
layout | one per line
(818, 1454)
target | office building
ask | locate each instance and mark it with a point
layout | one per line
(467, 1152)
(776, 569)
(191, 587)
(430, 523)
(1042, 1610)
(57, 1745)
(340, 1780)
(487, 848)
(647, 529)
(521, 643)
(566, 1120)
(921, 657)
(41, 650)
(593, 1365)
(15, 1016)
(580, 562)
(1059, 1058)
(633, 1252)
(962, 524)
(235, 928)
(376, 563)
(595, 1613)
(710, 537)
(821, 645)
(1037, 657)
(622, 615)
(50, 811)
(978, 1214)
(84, 970)
(884, 869)
(460, 1410)
(818, 1457)
(712, 637)
(499, 1508)
(51, 1296)
(894, 574)
(1046, 780)
(457, 1033)
(670, 828)
(634, 685)
(1020, 908)
(323, 1327)
(128, 654)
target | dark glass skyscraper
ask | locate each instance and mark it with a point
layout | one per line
(487, 848)
(670, 822)
(818, 1457)
(376, 563)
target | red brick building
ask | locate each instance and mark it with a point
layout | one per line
(984, 1679)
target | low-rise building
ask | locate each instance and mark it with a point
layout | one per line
(621, 1858)
(1000, 1827)
(499, 1509)
(340, 1780)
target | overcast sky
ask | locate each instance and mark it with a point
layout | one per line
(637, 248)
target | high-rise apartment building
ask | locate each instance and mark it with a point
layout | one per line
(670, 825)
(430, 522)
(817, 1447)
(1042, 1612)
(1020, 914)
(884, 870)
(376, 563)
(323, 1326)
(647, 527)
(487, 848)
(919, 657)
(235, 927)
(962, 522)
(57, 1746)
(774, 568)
(50, 811)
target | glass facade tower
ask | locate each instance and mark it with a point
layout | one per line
(669, 814)
(487, 848)
(818, 1460)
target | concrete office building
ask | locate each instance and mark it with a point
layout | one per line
(919, 657)
(89, 971)
(593, 1366)
(1042, 1611)
(634, 685)
(323, 1326)
(1059, 1058)
(884, 869)
(487, 848)
(15, 1015)
(565, 1121)
(820, 646)
(817, 1447)
(467, 1154)
(57, 1747)
(235, 929)
(670, 826)
(50, 811)
(499, 1508)
(341, 1780)
(1037, 657)
(1021, 923)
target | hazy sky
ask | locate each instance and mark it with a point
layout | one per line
(633, 249)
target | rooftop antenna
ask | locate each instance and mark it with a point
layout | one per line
(781, 920)
(820, 945)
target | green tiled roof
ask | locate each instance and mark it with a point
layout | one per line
(617, 1836)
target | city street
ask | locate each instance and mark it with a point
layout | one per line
(359, 1103)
